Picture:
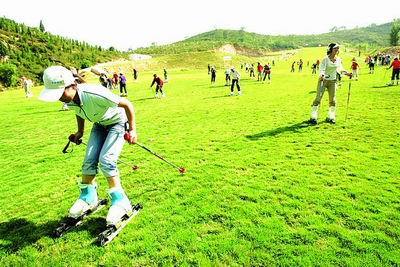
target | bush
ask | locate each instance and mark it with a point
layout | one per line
(8, 74)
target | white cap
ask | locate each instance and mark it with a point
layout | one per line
(55, 79)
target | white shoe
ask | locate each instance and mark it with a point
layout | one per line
(163, 95)
(314, 113)
(332, 113)
(239, 93)
(65, 107)
(87, 200)
(120, 206)
(156, 96)
(231, 94)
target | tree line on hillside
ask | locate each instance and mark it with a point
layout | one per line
(27, 51)
(371, 36)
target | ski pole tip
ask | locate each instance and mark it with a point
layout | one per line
(135, 167)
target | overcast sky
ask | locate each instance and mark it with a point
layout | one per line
(130, 24)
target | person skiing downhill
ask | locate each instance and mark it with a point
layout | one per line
(330, 65)
(159, 86)
(110, 115)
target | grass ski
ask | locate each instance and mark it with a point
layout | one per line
(112, 231)
(70, 223)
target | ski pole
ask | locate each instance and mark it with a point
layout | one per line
(180, 169)
(348, 100)
(71, 138)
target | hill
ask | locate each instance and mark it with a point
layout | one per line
(30, 50)
(373, 35)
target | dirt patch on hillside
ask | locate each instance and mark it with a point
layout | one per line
(228, 48)
(233, 49)
(393, 51)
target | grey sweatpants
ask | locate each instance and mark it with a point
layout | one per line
(331, 86)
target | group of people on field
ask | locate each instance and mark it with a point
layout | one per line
(113, 117)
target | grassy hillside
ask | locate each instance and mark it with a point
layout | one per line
(374, 35)
(262, 188)
(31, 50)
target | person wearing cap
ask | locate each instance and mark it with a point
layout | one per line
(235, 80)
(330, 65)
(396, 70)
(110, 114)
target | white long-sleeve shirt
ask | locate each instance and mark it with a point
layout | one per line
(329, 68)
(235, 75)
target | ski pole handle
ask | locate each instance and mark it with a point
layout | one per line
(71, 138)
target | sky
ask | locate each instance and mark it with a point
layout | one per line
(128, 24)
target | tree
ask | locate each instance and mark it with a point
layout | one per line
(8, 74)
(394, 33)
(3, 50)
(41, 26)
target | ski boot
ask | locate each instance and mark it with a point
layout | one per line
(120, 206)
(119, 215)
(86, 204)
(87, 200)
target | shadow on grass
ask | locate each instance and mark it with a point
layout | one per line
(19, 233)
(218, 96)
(218, 86)
(383, 86)
(290, 128)
(143, 99)
(41, 112)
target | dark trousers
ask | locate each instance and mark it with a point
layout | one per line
(122, 88)
(267, 74)
(395, 73)
(213, 76)
(158, 87)
(233, 85)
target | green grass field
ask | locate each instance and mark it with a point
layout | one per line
(262, 187)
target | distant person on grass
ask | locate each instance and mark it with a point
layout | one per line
(110, 114)
(354, 68)
(235, 80)
(259, 71)
(252, 71)
(267, 72)
(330, 65)
(293, 70)
(314, 68)
(165, 75)
(213, 74)
(135, 74)
(371, 65)
(122, 85)
(159, 86)
(396, 70)
(26, 84)
(227, 77)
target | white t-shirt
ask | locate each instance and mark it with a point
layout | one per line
(98, 105)
(329, 68)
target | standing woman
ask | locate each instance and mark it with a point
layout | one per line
(110, 114)
(330, 65)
